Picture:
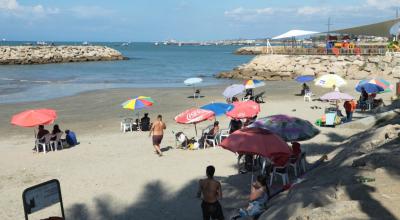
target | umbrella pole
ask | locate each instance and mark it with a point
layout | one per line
(195, 129)
(252, 170)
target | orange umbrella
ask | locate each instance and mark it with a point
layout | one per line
(34, 117)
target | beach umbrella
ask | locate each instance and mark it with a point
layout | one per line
(335, 96)
(253, 83)
(287, 127)
(375, 85)
(194, 116)
(304, 79)
(218, 108)
(139, 102)
(246, 109)
(257, 141)
(193, 82)
(233, 90)
(330, 80)
(34, 117)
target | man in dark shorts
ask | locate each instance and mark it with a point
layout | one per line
(157, 129)
(211, 191)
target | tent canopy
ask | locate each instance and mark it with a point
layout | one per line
(381, 29)
(294, 33)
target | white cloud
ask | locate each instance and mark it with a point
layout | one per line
(91, 11)
(14, 8)
(307, 10)
(383, 4)
(243, 14)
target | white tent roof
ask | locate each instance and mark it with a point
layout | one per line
(294, 33)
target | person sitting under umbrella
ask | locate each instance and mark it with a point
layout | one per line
(56, 130)
(145, 122)
(234, 125)
(42, 132)
(296, 150)
(249, 94)
(305, 89)
(258, 197)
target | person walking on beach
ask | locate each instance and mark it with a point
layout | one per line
(211, 191)
(157, 129)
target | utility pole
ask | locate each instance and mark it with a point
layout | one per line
(329, 24)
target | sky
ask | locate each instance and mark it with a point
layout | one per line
(185, 20)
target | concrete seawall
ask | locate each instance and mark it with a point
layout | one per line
(13, 55)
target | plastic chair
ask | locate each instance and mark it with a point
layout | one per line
(330, 119)
(308, 96)
(295, 163)
(281, 171)
(43, 142)
(127, 124)
(223, 133)
(210, 139)
(57, 142)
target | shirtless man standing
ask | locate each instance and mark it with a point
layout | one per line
(157, 129)
(211, 190)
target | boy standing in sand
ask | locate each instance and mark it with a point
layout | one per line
(211, 190)
(157, 129)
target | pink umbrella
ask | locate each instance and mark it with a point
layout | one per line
(247, 109)
(194, 116)
(256, 141)
(336, 96)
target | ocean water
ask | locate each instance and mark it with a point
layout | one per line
(149, 66)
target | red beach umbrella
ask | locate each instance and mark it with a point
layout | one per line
(194, 116)
(34, 117)
(256, 141)
(246, 109)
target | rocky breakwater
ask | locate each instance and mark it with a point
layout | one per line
(286, 67)
(56, 54)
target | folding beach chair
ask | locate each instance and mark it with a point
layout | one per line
(330, 119)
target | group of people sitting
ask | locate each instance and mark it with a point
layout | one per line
(70, 137)
(368, 99)
(248, 96)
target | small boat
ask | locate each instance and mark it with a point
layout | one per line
(125, 44)
(85, 43)
(156, 43)
(41, 43)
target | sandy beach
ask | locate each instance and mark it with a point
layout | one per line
(115, 175)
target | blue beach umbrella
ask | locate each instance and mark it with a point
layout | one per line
(369, 87)
(303, 79)
(218, 108)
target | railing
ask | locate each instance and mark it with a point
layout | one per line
(364, 51)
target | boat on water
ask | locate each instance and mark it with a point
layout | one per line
(41, 43)
(85, 43)
(156, 43)
(125, 44)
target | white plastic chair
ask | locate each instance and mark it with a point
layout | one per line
(210, 139)
(223, 133)
(308, 96)
(127, 124)
(280, 171)
(295, 163)
(43, 142)
(57, 142)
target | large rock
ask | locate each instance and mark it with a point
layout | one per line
(56, 54)
(286, 67)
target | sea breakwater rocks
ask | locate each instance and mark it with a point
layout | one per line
(286, 67)
(56, 54)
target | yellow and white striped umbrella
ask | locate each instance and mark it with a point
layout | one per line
(330, 80)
